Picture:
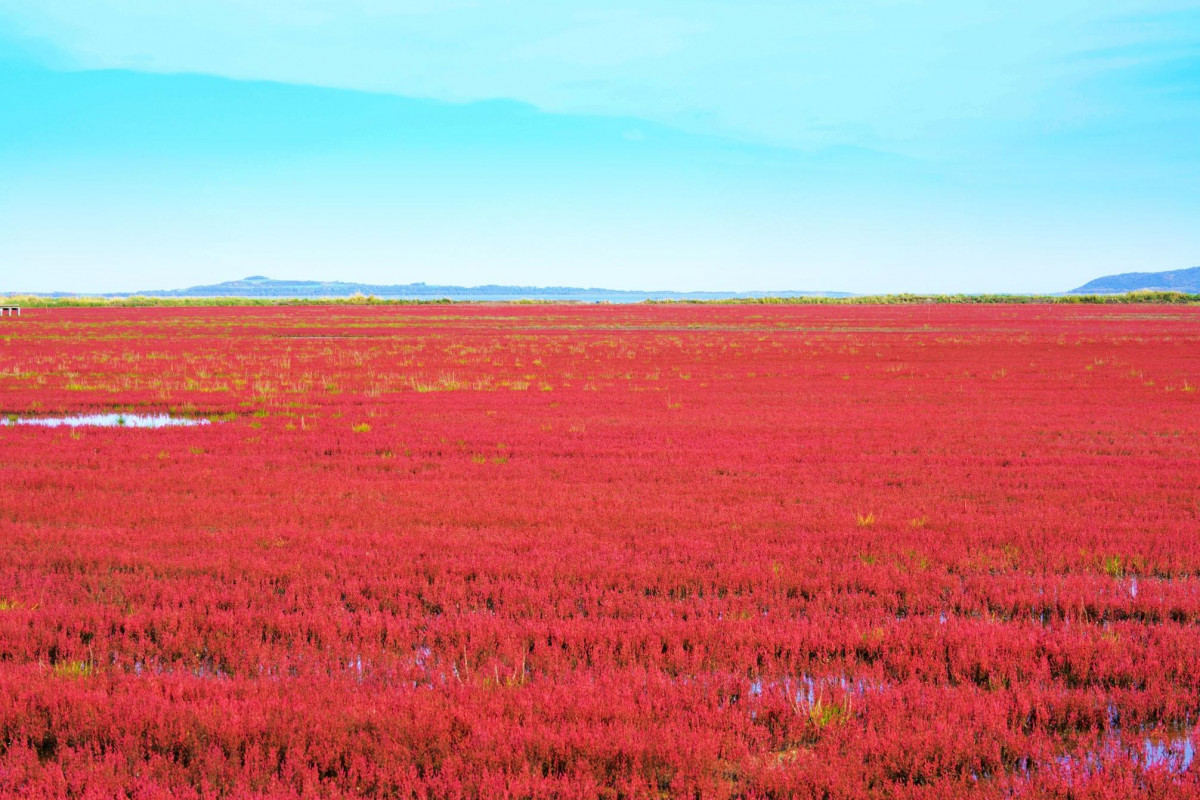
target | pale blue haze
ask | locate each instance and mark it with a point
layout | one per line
(871, 146)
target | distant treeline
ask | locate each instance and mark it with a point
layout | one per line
(1143, 296)
(136, 301)
(139, 301)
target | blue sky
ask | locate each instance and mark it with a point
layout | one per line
(867, 146)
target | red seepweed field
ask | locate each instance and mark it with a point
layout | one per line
(600, 551)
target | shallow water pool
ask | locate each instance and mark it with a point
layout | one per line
(107, 421)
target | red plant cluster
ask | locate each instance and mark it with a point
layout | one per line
(594, 551)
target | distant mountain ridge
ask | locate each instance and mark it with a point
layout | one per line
(261, 286)
(1177, 280)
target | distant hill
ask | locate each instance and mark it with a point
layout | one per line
(260, 286)
(1178, 280)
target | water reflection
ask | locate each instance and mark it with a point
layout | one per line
(1174, 753)
(106, 421)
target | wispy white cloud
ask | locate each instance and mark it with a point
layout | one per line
(807, 74)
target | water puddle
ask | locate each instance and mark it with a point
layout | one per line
(106, 421)
(1173, 753)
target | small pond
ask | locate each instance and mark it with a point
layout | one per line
(106, 421)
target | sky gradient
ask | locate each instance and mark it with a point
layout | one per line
(867, 147)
